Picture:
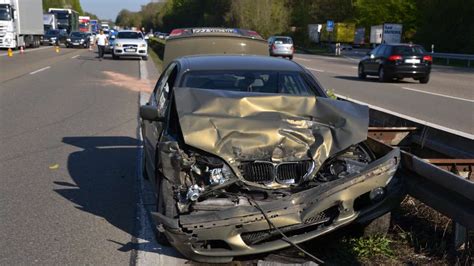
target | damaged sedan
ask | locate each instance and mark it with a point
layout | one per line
(248, 155)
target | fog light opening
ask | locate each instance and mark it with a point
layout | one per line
(377, 194)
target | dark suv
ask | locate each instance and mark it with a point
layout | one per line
(389, 61)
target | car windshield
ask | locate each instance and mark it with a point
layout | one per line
(408, 50)
(5, 13)
(129, 35)
(52, 32)
(283, 41)
(252, 81)
(62, 15)
(77, 34)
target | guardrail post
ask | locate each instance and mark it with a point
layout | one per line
(460, 231)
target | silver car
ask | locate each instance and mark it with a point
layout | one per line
(281, 46)
(130, 43)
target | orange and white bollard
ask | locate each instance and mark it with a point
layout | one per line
(22, 50)
(10, 52)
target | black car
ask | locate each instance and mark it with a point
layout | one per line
(78, 39)
(54, 37)
(389, 61)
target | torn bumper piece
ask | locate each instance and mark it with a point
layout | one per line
(217, 236)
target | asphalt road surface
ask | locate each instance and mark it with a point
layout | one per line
(68, 160)
(447, 100)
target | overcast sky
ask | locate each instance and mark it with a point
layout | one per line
(108, 9)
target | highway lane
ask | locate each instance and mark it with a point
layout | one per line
(69, 159)
(447, 100)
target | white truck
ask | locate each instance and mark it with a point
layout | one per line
(386, 33)
(21, 23)
(49, 22)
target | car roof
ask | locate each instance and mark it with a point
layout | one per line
(237, 62)
(127, 31)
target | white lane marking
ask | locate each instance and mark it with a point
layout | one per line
(352, 59)
(26, 51)
(39, 70)
(416, 120)
(438, 94)
(302, 59)
(74, 57)
(315, 69)
(354, 67)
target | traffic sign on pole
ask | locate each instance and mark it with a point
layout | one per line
(330, 25)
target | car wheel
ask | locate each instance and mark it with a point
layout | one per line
(378, 226)
(290, 57)
(115, 57)
(164, 206)
(425, 79)
(360, 72)
(382, 75)
(145, 58)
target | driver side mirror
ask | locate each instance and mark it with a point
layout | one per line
(150, 113)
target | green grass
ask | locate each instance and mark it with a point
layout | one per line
(156, 59)
(370, 247)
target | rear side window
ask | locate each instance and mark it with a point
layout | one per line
(408, 50)
(283, 41)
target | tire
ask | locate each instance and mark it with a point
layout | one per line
(378, 226)
(145, 58)
(360, 72)
(382, 75)
(115, 57)
(425, 79)
(290, 57)
(164, 206)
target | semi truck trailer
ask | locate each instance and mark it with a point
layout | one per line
(21, 23)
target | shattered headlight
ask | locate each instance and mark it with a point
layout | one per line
(211, 171)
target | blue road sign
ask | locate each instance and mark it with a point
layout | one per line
(330, 25)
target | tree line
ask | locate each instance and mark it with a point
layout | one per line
(447, 24)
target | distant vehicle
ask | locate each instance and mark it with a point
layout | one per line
(359, 37)
(281, 46)
(21, 23)
(387, 33)
(109, 48)
(55, 37)
(130, 43)
(389, 61)
(78, 39)
(68, 19)
(94, 25)
(49, 22)
(193, 41)
(105, 27)
(84, 23)
(163, 35)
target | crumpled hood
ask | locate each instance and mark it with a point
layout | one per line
(241, 126)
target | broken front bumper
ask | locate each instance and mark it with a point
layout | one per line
(217, 236)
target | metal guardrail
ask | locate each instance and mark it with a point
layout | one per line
(448, 56)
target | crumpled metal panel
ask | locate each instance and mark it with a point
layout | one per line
(241, 126)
